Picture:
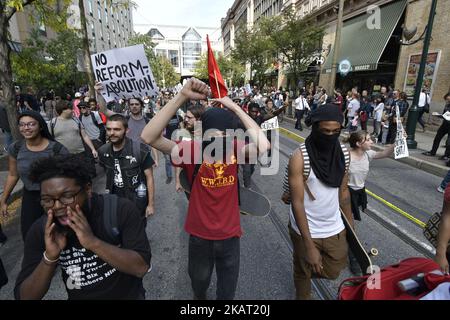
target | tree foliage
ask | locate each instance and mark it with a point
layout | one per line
(284, 38)
(49, 65)
(296, 42)
(232, 71)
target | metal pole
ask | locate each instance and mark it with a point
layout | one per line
(337, 42)
(413, 114)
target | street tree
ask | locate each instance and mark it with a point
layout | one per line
(232, 71)
(53, 63)
(253, 48)
(114, 5)
(294, 42)
(52, 13)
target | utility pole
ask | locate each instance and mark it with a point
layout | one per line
(337, 42)
(413, 114)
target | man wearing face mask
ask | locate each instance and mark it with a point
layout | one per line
(316, 227)
(213, 220)
(74, 236)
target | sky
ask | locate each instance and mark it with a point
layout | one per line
(199, 13)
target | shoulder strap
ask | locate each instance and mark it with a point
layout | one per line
(306, 162)
(110, 217)
(17, 145)
(306, 172)
(78, 122)
(346, 156)
(96, 118)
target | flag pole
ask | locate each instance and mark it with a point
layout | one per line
(217, 84)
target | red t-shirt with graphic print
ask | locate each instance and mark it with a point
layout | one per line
(213, 212)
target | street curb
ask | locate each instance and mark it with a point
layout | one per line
(412, 161)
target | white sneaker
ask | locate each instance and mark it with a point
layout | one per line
(439, 189)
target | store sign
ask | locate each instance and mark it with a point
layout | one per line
(344, 67)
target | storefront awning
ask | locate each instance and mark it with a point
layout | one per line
(363, 40)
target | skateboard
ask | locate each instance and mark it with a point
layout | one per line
(362, 256)
(251, 202)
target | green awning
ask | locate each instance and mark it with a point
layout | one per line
(362, 46)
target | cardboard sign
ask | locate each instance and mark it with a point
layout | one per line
(124, 73)
(401, 147)
(270, 124)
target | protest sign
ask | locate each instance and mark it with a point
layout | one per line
(124, 73)
(401, 147)
(270, 124)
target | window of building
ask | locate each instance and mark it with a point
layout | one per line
(93, 30)
(90, 7)
(192, 48)
(155, 34)
(174, 58)
(99, 10)
(161, 52)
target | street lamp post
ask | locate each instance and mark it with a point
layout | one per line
(413, 114)
(337, 41)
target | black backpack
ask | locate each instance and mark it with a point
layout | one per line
(100, 126)
(110, 218)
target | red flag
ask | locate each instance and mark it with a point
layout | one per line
(218, 88)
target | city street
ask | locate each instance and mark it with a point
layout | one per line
(266, 262)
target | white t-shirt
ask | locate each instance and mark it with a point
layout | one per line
(353, 107)
(323, 214)
(379, 112)
(359, 169)
(422, 99)
(301, 103)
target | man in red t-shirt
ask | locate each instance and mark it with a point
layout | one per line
(213, 220)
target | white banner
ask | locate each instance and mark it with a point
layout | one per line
(401, 147)
(270, 124)
(124, 73)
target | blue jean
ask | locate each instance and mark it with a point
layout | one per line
(169, 173)
(446, 180)
(203, 255)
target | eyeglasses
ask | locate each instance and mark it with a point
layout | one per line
(28, 124)
(65, 199)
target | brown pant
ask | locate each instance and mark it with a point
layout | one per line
(334, 258)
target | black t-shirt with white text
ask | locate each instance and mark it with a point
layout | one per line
(85, 275)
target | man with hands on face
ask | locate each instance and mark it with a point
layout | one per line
(73, 235)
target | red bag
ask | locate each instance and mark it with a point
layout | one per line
(384, 285)
(363, 116)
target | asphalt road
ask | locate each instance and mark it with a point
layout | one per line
(266, 261)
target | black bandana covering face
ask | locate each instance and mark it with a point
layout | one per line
(326, 157)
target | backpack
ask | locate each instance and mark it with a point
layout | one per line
(383, 285)
(286, 198)
(19, 143)
(53, 125)
(110, 218)
(97, 120)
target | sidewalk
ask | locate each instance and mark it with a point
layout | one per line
(416, 159)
